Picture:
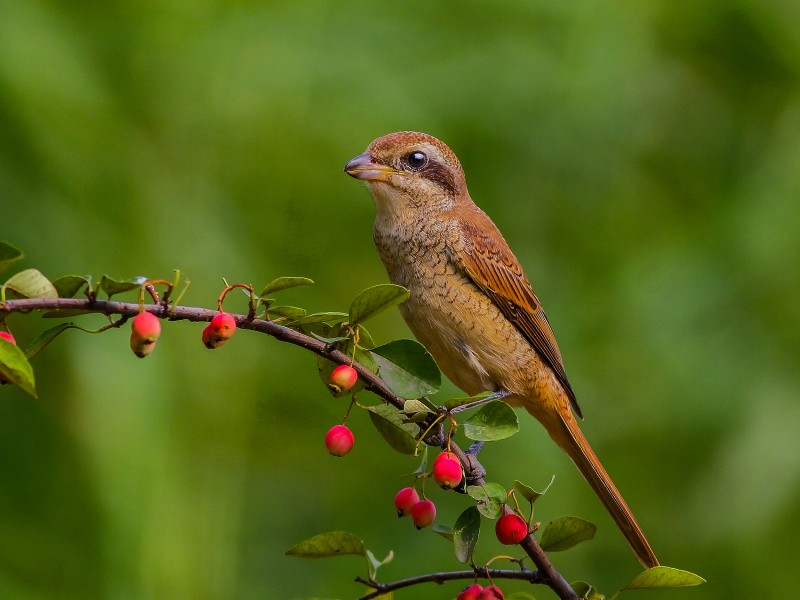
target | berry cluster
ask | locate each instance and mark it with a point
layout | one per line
(407, 502)
(339, 439)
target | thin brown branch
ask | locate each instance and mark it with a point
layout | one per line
(442, 577)
(547, 572)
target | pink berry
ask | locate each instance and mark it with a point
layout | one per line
(472, 592)
(342, 379)
(224, 325)
(339, 440)
(405, 500)
(221, 329)
(511, 529)
(444, 456)
(491, 593)
(447, 473)
(423, 513)
(145, 329)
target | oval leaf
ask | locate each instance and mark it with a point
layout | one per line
(375, 300)
(663, 577)
(45, 338)
(9, 254)
(465, 534)
(290, 312)
(333, 543)
(15, 368)
(407, 368)
(284, 283)
(30, 283)
(565, 532)
(490, 498)
(112, 286)
(69, 285)
(443, 530)
(321, 317)
(495, 421)
(390, 424)
(530, 494)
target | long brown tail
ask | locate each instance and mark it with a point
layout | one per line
(567, 434)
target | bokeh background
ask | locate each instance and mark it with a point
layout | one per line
(642, 158)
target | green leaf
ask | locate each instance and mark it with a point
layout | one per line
(415, 407)
(407, 368)
(375, 300)
(284, 283)
(333, 543)
(465, 534)
(45, 338)
(663, 577)
(321, 317)
(565, 532)
(30, 283)
(113, 286)
(443, 530)
(390, 424)
(490, 498)
(15, 368)
(454, 402)
(495, 421)
(290, 312)
(69, 285)
(586, 591)
(9, 254)
(375, 564)
(530, 494)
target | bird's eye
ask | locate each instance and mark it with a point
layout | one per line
(416, 160)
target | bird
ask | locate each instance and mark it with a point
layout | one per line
(470, 303)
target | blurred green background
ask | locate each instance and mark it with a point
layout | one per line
(642, 159)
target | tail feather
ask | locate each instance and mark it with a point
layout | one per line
(567, 434)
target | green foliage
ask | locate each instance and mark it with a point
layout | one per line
(465, 534)
(493, 422)
(323, 545)
(565, 532)
(375, 300)
(407, 368)
(15, 368)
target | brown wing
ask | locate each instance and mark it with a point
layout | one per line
(492, 266)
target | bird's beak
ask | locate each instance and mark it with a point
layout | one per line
(362, 167)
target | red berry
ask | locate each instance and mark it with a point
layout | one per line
(342, 379)
(443, 456)
(491, 593)
(447, 473)
(511, 529)
(472, 592)
(145, 329)
(423, 513)
(224, 325)
(405, 500)
(339, 440)
(221, 328)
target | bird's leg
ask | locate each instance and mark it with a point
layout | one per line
(497, 395)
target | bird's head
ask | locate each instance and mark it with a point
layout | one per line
(410, 171)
